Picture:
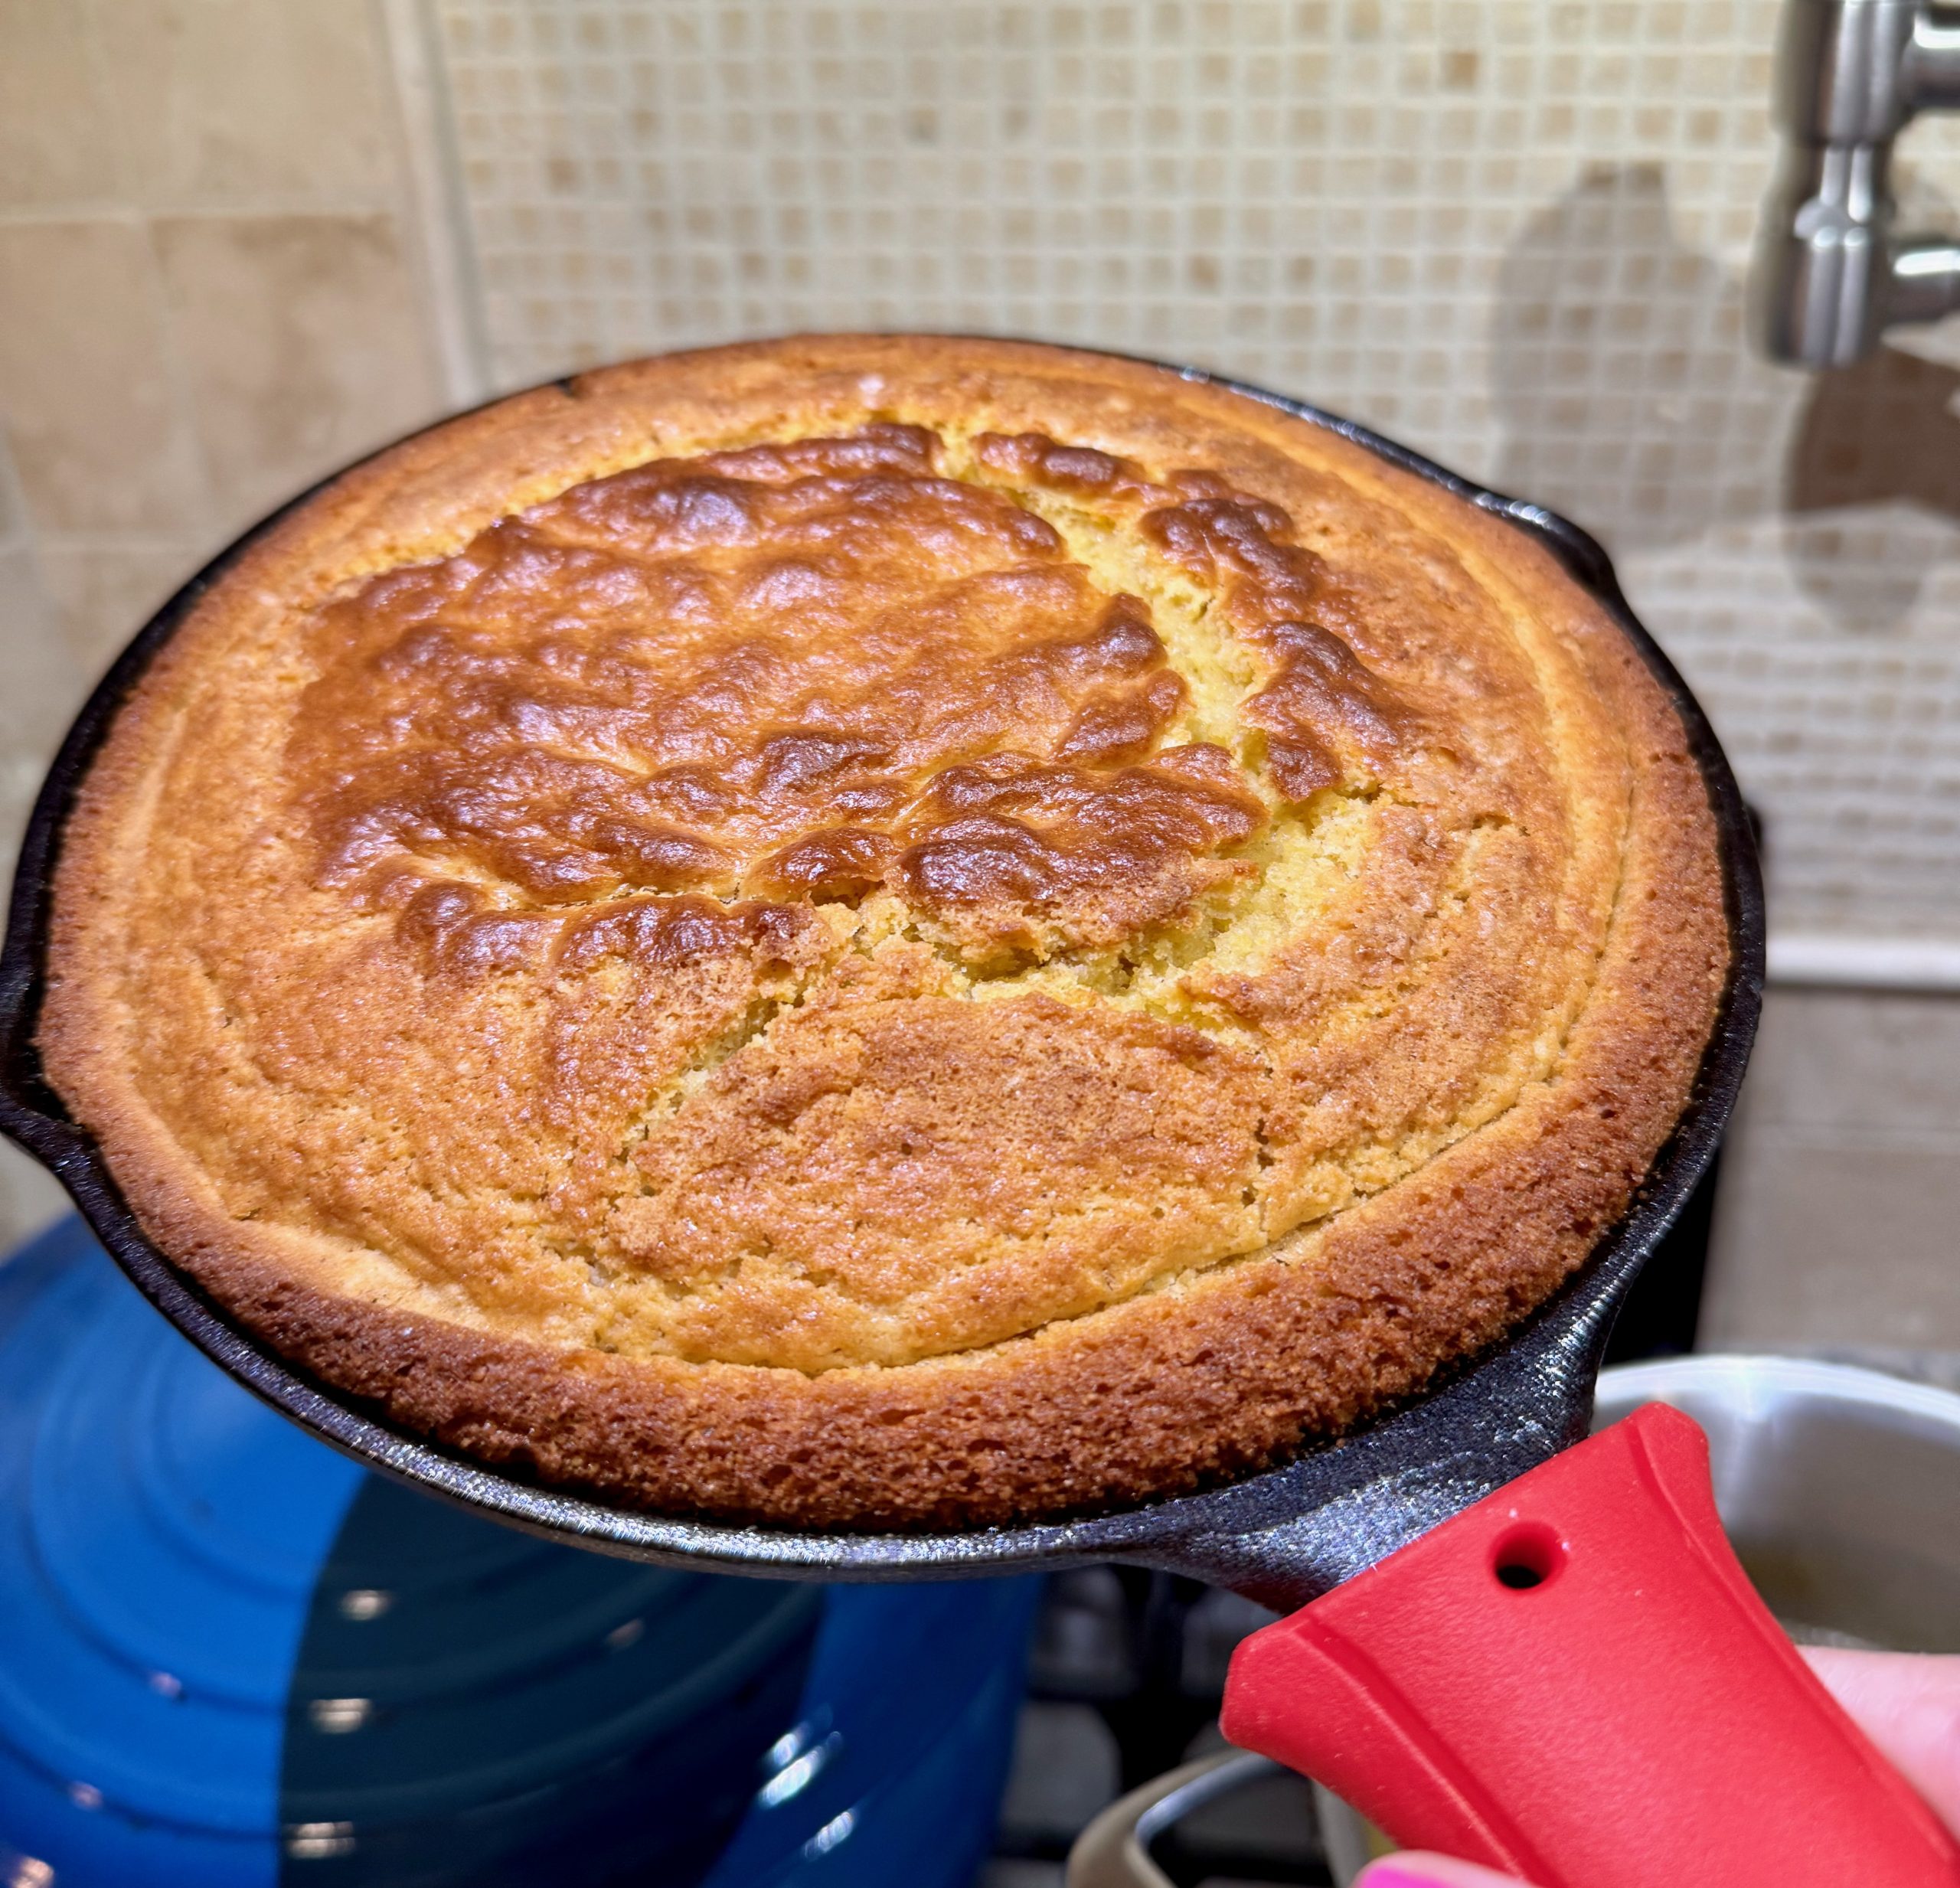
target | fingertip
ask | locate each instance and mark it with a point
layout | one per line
(1908, 1705)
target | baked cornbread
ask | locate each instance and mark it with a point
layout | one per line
(884, 931)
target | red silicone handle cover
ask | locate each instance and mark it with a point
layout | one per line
(1573, 1680)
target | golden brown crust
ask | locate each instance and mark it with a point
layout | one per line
(1226, 927)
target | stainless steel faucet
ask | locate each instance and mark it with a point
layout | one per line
(1831, 275)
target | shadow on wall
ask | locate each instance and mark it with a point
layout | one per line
(1629, 397)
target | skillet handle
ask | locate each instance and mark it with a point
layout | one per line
(1573, 1680)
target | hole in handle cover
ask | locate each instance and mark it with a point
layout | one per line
(1527, 1555)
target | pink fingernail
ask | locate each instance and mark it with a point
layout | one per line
(1428, 1871)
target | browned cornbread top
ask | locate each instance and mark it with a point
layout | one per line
(801, 869)
(796, 672)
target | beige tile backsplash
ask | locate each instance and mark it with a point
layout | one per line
(54, 112)
(100, 593)
(300, 345)
(244, 104)
(1838, 1223)
(1852, 1064)
(1511, 232)
(100, 438)
(40, 684)
(243, 241)
(211, 294)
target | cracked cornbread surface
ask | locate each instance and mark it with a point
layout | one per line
(885, 931)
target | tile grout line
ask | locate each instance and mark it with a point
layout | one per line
(439, 216)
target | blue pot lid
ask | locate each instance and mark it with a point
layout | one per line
(233, 1657)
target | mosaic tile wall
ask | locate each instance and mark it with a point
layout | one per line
(1512, 234)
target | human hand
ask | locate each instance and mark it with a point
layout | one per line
(1907, 1703)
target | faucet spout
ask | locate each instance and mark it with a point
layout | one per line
(1830, 275)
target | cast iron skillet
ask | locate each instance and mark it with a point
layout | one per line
(1283, 1537)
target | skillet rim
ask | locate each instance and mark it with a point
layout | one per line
(1534, 1386)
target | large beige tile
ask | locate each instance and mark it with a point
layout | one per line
(302, 344)
(1820, 1242)
(26, 616)
(95, 429)
(40, 686)
(40, 683)
(1860, 1061)
(102, 594)
(55, 145)
(31, 1197)
(16, 526)
(243, 104)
